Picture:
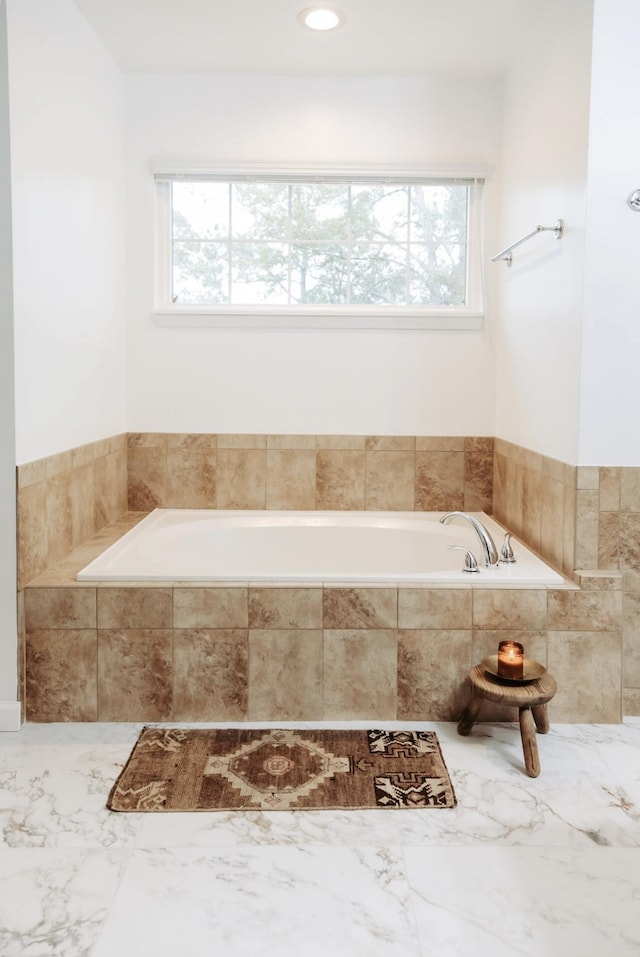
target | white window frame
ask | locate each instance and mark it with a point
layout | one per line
(227, 316)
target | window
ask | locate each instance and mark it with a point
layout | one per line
(318, 247)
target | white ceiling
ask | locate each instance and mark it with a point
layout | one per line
(380, 37)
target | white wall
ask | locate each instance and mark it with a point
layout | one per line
(610, 399)
(67, 176)
(546, 130)
(302, 381)
(9, 706)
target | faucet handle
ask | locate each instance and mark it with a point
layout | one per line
(506, 552)
(470, 563)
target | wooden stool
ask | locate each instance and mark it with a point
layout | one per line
(530, 699)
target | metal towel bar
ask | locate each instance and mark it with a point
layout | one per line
(505, 253)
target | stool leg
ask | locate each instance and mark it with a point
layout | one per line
(541, 718)
(469, 715)
(529, 743)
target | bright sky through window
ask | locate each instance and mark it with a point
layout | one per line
(319, 243)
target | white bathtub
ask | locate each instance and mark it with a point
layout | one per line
(212, 545)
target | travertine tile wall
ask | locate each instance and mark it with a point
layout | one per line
(308, 472)
(234, 652)
(608, 538)
(62, 501)
(585, 518)
(65, 498)
(202, 651)
(535, 497)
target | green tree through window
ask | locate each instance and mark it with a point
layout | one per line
(317, 243)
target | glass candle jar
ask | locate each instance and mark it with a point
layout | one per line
(510, 659)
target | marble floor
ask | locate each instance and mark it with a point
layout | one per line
(539, 867)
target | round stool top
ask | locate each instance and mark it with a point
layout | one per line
(528, 694)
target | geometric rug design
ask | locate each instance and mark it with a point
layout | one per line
(209, 769)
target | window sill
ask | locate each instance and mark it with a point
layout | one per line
(317, 317)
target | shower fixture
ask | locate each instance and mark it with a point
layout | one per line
(633, 201)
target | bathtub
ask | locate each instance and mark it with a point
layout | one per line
(289, 546)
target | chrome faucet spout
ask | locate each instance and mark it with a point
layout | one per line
(489, 550)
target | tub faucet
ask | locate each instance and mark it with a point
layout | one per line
(489, 550)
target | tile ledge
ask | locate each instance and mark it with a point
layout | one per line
(599, 579)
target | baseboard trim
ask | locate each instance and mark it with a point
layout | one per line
(10, 716)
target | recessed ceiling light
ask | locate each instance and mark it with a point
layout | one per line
(321, 18)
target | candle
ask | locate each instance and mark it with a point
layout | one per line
(510, 659)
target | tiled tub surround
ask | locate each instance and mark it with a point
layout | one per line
(608, 538)
(535, 497)
(242, 651)
(579, 518)
(387, 473)
(64, 499)
(584, 518)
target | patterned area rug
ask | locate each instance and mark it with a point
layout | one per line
(175, 769)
